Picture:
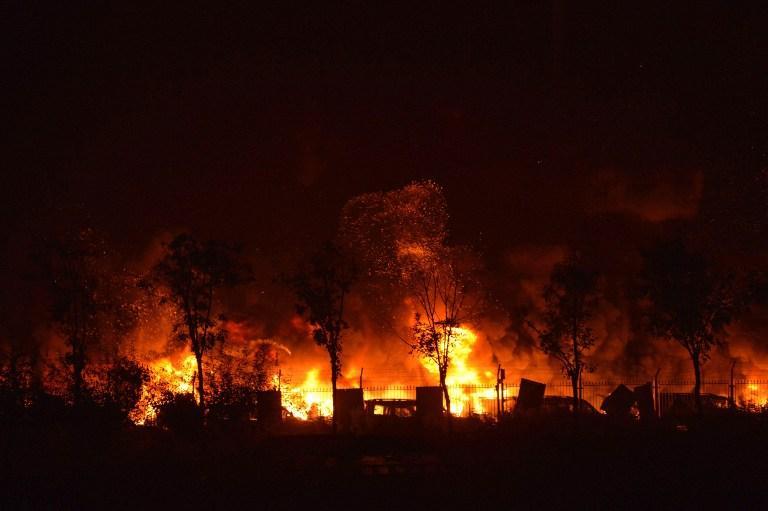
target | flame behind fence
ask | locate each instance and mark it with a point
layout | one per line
(481, 400)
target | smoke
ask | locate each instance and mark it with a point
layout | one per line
(652, 196)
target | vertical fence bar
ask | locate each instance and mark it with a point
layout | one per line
(732, 388)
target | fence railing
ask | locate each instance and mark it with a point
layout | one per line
(468, 400)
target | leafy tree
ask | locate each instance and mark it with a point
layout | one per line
(235, 381)
(688, 301)
(124, 383)
(19, 347)
(90, 301)
(232, 397)
(190, 275)
(570, 298)
(179, 413)
(72, 267)
(321, 288)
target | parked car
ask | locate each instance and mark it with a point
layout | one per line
(391, 407)
(561, 405)
(564, 404)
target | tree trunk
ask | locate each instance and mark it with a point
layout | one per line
(200, 385)
(697, 381)
(445, 393)
(575, 386)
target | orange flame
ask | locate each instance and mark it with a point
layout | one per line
(308, 400)
(460, 373)
(164, 376)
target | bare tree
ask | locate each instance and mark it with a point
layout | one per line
(190, 276)
(689, 301)
(399, 236)
(570, 299)
(321, 289)
(441, 290)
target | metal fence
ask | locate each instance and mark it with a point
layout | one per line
(469, 400)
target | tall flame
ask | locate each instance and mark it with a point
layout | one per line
(460, 373)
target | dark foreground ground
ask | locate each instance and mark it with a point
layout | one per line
(718, 463)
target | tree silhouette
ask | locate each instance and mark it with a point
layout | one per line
(570, 298)
(689, 301)
(190, 275)
(73, 269)
(124, 382)
(321, 288)
(442, 288)
(399, 236)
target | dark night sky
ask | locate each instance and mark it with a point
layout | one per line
(255, 124)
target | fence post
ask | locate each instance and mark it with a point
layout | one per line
(732, 388)
(500, 377)
(498, 395)
(503, 378)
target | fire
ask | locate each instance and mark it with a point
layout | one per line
(460, 373)
(164, 376)
(469, 387)
(308, 400)
(179, 380)
(755, 396)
